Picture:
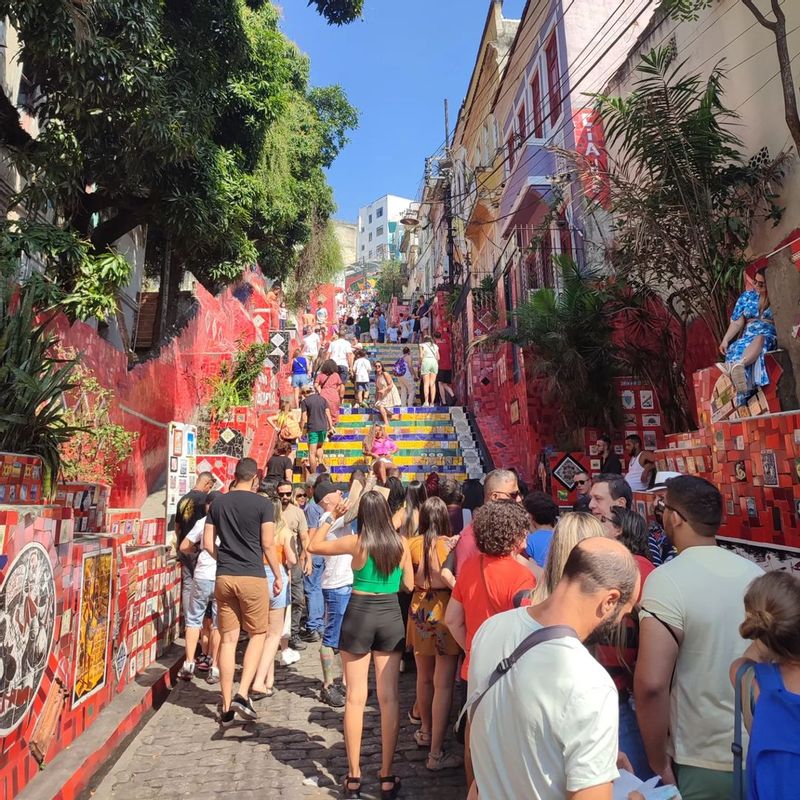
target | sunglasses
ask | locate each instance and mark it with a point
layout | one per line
(581, 483)
(761, 283)
(284, 494)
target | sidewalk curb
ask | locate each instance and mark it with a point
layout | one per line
(71, 772)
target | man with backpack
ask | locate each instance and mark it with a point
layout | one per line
(406, 378)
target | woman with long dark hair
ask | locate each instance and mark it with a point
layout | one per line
(372, 629)
(435, 650)
(416, 495)
(387, 396)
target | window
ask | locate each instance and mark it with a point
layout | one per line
(536, 99)
(362, 229)
(521, 128)
(370, 236)
(379, 213)
(553, 78)
(370, 219)
(379, 230)
(510, 151)
(370, 255)
(362, 246)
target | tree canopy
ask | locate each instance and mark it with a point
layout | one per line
(339, 12)
(194, 118)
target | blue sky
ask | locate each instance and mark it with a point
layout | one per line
(396, 66)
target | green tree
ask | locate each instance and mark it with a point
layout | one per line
(339, 12)
(391, 280)
(160, 113)
(569, 335)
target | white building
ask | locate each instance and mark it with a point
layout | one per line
(379, 230)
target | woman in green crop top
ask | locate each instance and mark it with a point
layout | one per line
(372, 628)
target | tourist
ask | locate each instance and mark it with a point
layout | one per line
(690, 608)
(329, 385)
(316, 420)
(435, 651)
(583, 487)
(630, 528)
(544, 513)
(243, 524)
(407, 378)
(189, 510)
(295, 521)
(361, 370)
(311, 344)
(387, 398)
(395, 494)
(393, 334)
(500, 484)
(337, 577)
(406, 329)
(472, 489)
(279, 466)
(308, 320)
(570, 529)
(312, 582)
(490, 582)
(263, 685)
(609, 490)
(772, 621)
(200, 596)
(372, 628)
(373, 329)
(450, 493)
(300, 498)
(380, 448)
(429, 368)
(286, 424)
(749, 337)
(301, 374)
(283, 316)
(340, 352)
(642, 464)
(557, 689)
(382, 327)
(415, 327)
(619, 652)
(609, 462)
(416, 495)
(660, 547)
(444, 377)
(521, 485)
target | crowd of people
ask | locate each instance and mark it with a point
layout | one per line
(589, 642)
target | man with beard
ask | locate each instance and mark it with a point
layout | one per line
(556, 687)
(689, 635)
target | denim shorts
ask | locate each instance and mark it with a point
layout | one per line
(300, 380)
(335, 605)
(362, 387)
(282, 600)
(199, 596)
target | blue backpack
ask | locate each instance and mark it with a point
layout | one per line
(400, 367)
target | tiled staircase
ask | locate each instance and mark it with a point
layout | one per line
(430, 439)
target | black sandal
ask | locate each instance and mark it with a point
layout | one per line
(389, 794)
(349, 789)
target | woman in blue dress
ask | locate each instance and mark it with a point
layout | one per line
(749, 336)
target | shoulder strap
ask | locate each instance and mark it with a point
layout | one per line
(736, 747)
(537, 637)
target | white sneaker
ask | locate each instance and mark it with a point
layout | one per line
(186, 672)
(213, 676)
(289, 656)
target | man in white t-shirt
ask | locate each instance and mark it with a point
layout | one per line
(311, 343)
(548, 729)
(340, 351)
(362, 368)
(689, 635)
(200, 595)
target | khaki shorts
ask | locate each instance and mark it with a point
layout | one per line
(242, 602)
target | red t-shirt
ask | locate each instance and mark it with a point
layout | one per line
(487, 585)
(621, 671)
(466, 547)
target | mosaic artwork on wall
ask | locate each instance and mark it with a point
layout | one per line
(27, 619)
(91, 647)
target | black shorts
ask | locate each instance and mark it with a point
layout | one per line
(344, 373)
(372, 622)
(444, 376)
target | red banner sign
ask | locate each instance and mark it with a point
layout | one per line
(590, 142)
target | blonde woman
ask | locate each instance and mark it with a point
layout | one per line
(264, 681)
(570, 529)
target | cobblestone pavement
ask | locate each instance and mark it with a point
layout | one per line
(294, 749)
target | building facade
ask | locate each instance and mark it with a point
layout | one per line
(380, 233)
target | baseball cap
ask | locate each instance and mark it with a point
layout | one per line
(661, 480)
(325, 488)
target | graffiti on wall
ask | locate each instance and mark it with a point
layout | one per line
(27, 620)
(91, 647)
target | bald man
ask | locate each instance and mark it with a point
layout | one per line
(556, 687)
